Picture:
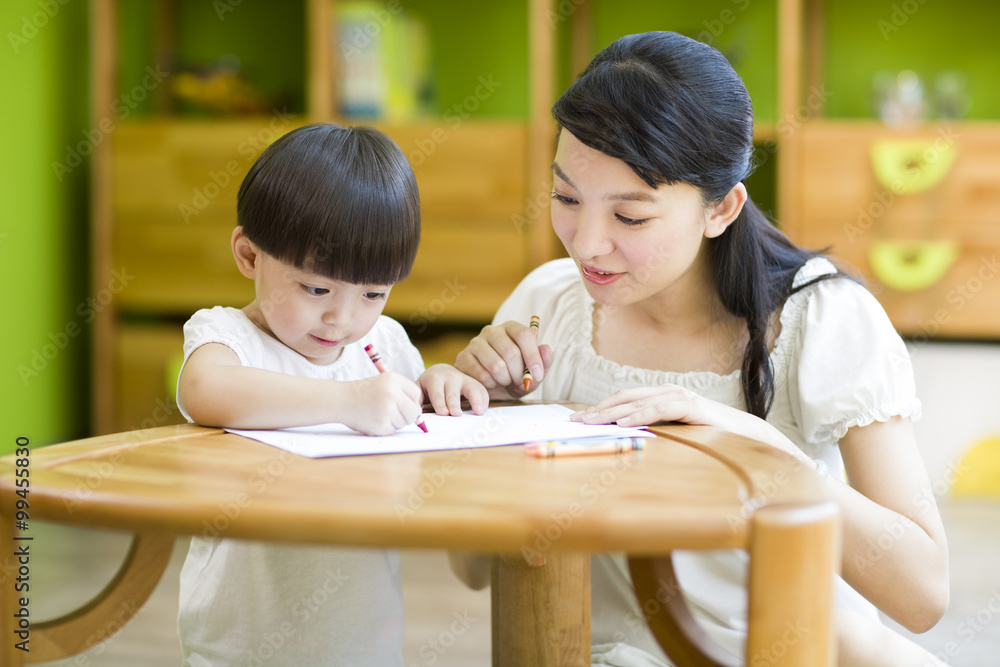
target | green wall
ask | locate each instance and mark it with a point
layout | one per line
(43, 249)
(929, 38)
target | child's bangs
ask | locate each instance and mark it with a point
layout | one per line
(339, 202)
(368, 236)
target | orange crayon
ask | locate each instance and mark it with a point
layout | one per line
(544, 449)
(534, 329)
(377, 360)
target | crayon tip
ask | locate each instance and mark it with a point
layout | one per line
(527, 384)
(422, 425)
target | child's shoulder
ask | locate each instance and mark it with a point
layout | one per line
(219, 318)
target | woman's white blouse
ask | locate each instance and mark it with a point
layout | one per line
(837, 362)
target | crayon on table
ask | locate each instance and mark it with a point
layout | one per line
(377, 360)
(527, 374)
(553, 448)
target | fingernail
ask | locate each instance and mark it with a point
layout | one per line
(624, 421)
(590, 416)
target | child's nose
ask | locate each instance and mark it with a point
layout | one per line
(335, 313)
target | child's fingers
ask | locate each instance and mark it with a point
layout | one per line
(477, 395)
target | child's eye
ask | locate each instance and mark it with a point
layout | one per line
(630, 222)
(315, 291)
(375, 296)
(563, 199)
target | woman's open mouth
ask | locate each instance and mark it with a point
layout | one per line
(598, 277)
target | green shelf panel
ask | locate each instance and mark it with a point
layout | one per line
(926, 37)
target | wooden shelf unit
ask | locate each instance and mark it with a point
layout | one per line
(484, 196)
(164, 205)
(829, 195)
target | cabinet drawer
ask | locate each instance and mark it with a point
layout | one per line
(842, 205)
(175, 208)
(840, 192)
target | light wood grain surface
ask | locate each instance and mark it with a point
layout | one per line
(691, 488)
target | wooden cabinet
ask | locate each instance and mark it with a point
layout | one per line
(915, 209)
(164, 192)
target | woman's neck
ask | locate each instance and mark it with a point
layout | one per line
(682, 328)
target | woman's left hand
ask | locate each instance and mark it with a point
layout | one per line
(670, 403)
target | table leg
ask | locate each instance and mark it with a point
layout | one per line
(97, 620)
(541, 615)
(793, 551)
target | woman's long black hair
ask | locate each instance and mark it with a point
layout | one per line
(675, 111)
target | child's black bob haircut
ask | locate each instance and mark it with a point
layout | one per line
(338, 201)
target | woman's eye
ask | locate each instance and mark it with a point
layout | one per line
(630, 221)
(315, 291)
(563, 199)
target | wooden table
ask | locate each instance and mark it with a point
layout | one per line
(692, 488)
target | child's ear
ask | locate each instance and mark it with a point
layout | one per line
(247, 254)
(725, 212)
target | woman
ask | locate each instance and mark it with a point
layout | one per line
(680, 302)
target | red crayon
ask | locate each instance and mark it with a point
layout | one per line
(377, 360)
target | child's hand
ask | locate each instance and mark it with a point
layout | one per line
(383, 404)
(498, 355)
(444, 386)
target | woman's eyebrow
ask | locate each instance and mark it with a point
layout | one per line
(621, 196)
(557, 170)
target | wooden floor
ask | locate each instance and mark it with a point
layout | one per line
(448, 625)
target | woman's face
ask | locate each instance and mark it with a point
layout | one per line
(630, 241)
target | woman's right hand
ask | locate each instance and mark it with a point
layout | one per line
(497, 358)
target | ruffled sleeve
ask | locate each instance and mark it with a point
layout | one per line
(853, 368)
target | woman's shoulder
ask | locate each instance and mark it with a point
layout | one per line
(542, 291)
(827, 300)
(555, 275)
(820, 281)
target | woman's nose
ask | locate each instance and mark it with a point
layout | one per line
(592, 238)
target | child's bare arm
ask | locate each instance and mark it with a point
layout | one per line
(218, 390)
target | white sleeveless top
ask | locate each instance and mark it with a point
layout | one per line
(244, 602)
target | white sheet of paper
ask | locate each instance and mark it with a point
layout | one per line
(499, 426)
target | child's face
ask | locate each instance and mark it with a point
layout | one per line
(313, 315)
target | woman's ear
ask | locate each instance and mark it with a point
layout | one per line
(246, 252)
(725, 212)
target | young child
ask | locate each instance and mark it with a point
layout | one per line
(680, 301)
(329, 221)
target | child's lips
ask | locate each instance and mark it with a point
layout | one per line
(324, 342)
